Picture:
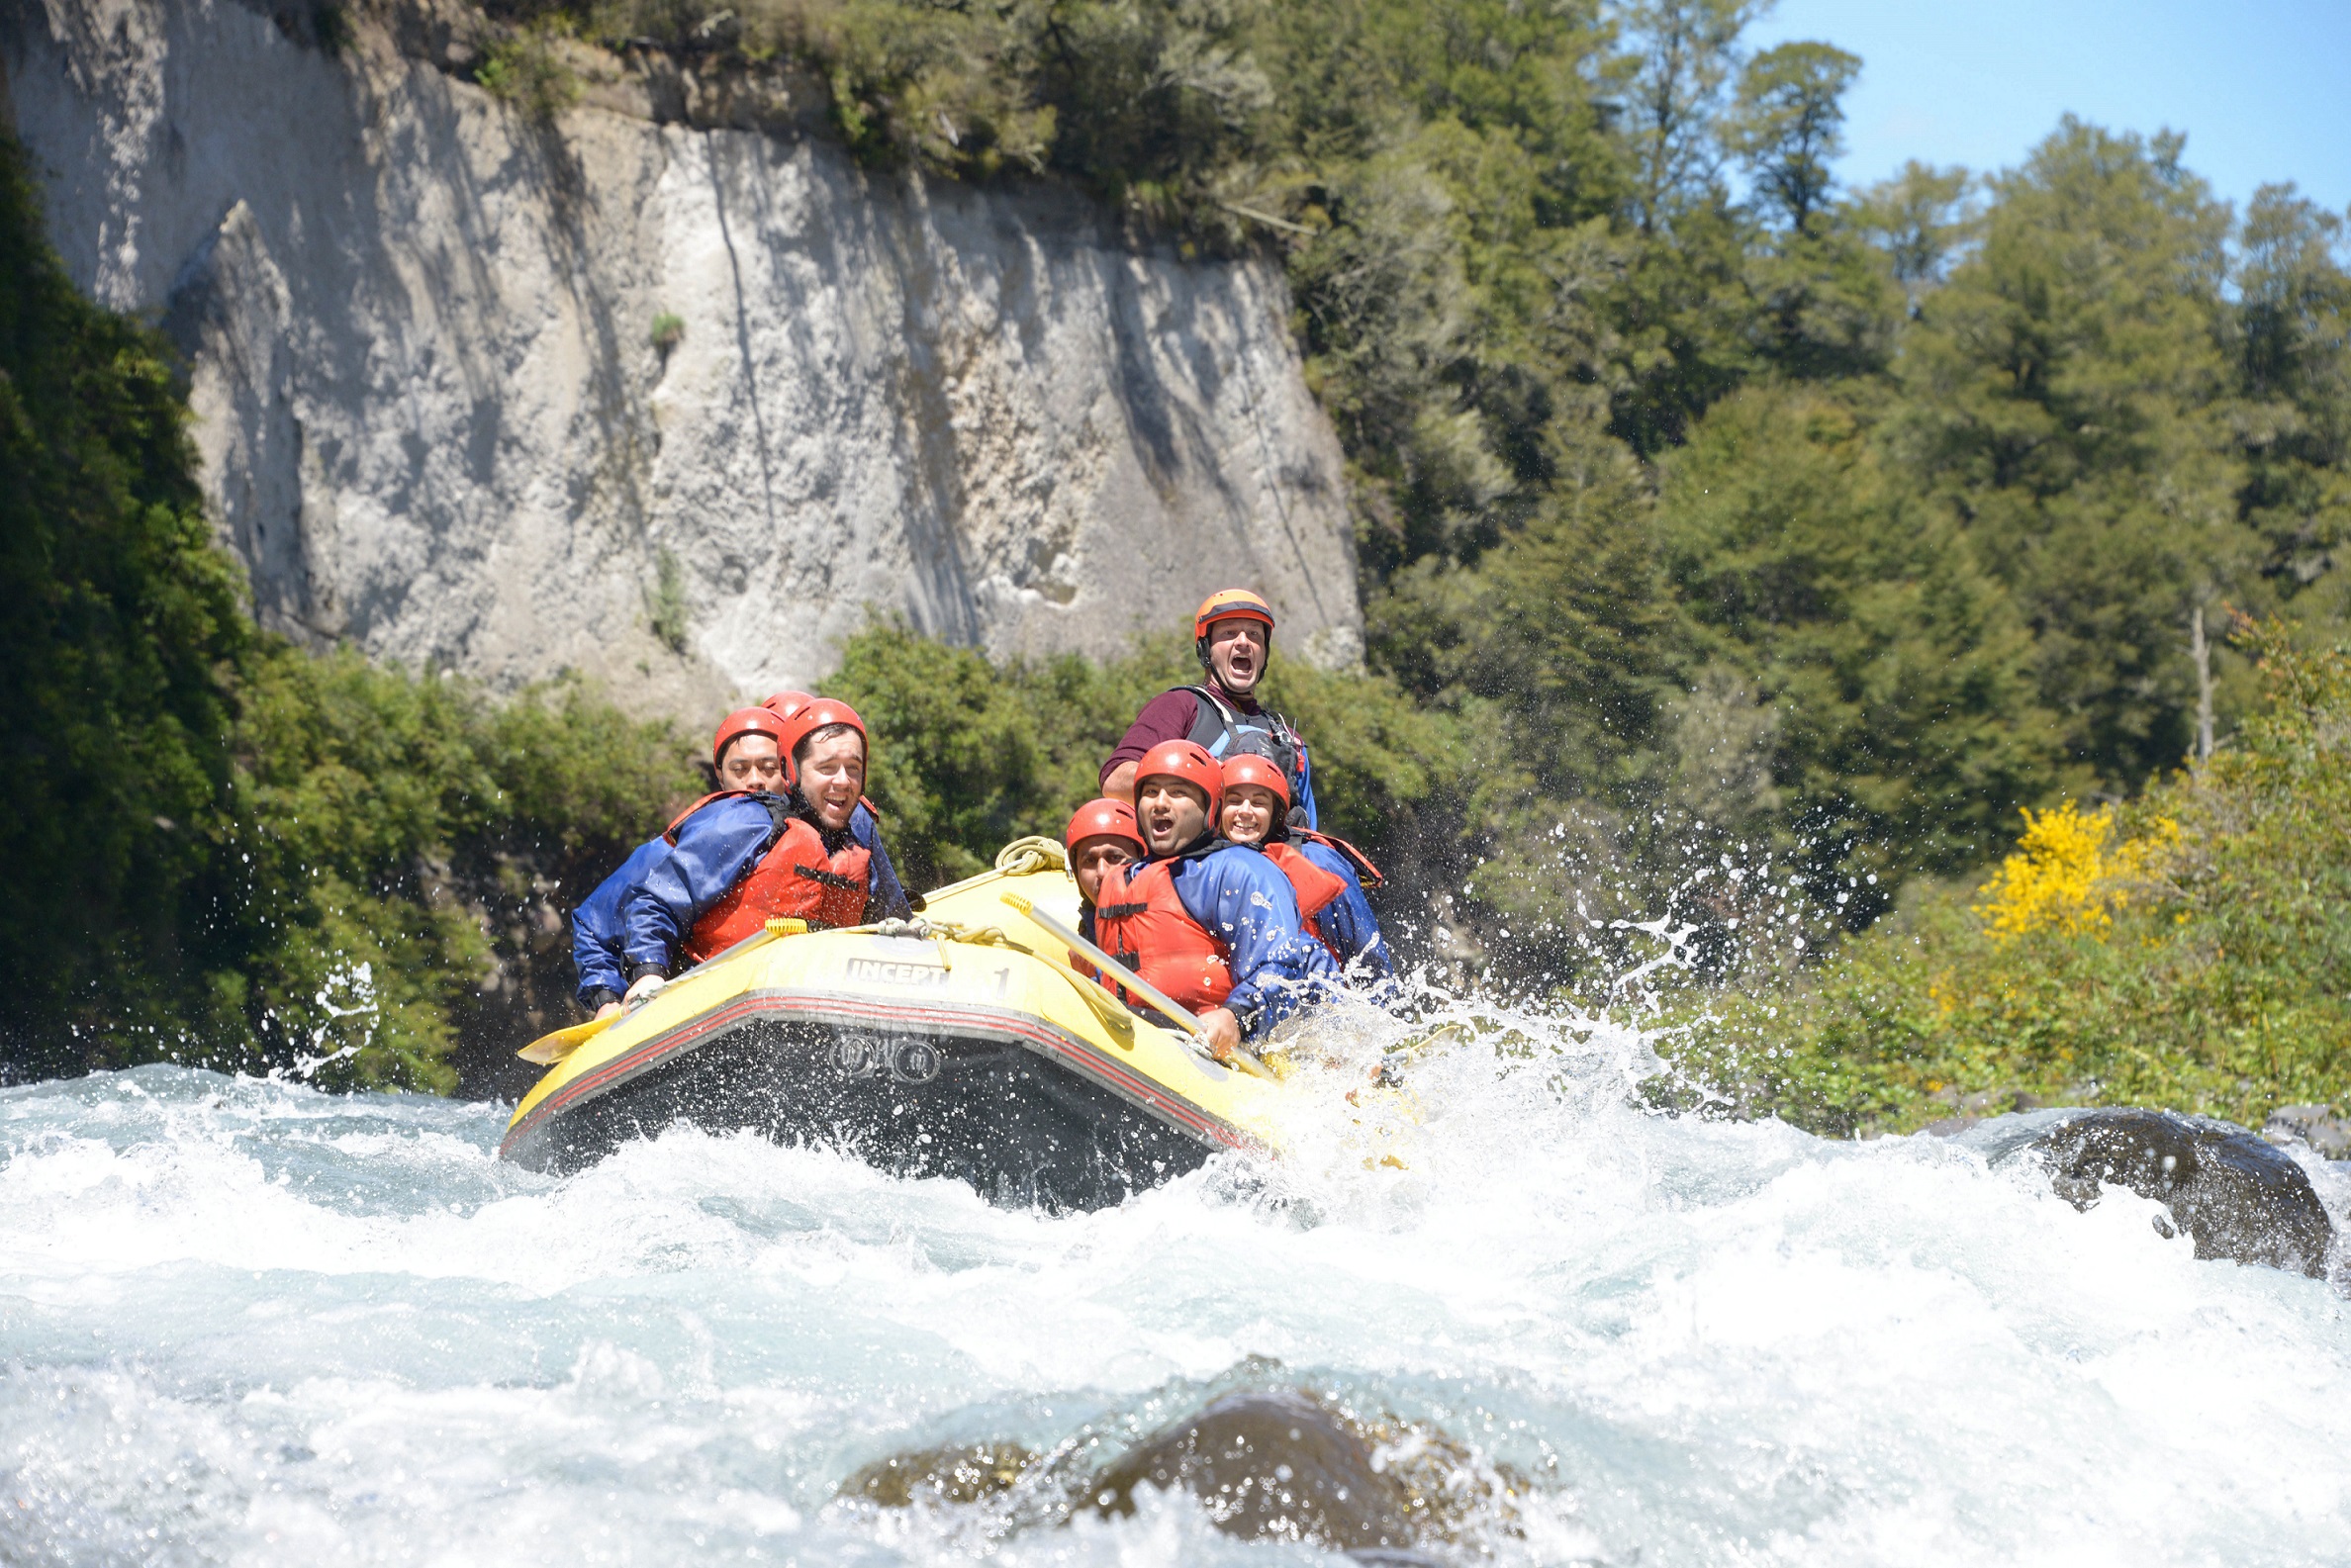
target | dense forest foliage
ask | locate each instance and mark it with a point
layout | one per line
(2188, 947)
(1705, 509)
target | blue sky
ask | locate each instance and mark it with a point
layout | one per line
(2262, 87)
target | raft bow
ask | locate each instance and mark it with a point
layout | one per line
(958, 1044)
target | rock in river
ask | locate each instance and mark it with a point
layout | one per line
(1268, 1465)
(2240, 1198)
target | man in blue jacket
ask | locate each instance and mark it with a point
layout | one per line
(1213, 925)
(747, 753)
(786, 848)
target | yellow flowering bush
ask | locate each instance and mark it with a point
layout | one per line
(2188, 949)
(2067, 873)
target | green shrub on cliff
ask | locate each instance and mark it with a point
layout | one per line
(380, 833)
(2190, 950)
(120, 619)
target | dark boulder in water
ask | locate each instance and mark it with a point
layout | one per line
(2239, 1197)
(1268, 1466)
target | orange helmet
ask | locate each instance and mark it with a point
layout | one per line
(1104, 819)
(1187, 763)
(786, 703)
(1227, 603)
(749, 721)
(1248, 768)
(821, 714)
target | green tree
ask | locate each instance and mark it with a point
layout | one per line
(121, 620)
(2067, 403)
(2294, 346)
(1785, 128)
(1917, 219)
(1903, 677)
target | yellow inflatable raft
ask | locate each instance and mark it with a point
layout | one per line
(959, 1044)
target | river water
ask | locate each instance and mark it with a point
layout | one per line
(241, 1320)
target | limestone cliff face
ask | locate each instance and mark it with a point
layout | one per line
(434, 421)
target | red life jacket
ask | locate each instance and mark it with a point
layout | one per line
(1367, 873)
(1314, 886)
(797, 879)
(1139, 921)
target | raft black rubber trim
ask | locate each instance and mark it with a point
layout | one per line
(826, 1006)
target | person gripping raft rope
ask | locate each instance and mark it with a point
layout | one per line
(785, 847)
(1233, 635)
(1326, 873)
(1212, 924)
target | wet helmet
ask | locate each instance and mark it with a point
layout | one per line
(1248, 768)
(1189, 763)
(786, 703)
(1229, 603)
(749, 721)
(821, 714)
(1104, 819)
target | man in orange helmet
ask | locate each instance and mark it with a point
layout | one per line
(747, 756)
(1233, 635)
(1211, 924)
(783, 844)
(1101, 834)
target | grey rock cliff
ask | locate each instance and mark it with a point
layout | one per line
(434, 423)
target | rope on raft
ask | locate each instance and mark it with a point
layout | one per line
(1034, 853)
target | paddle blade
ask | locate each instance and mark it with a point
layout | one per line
(549, 1050)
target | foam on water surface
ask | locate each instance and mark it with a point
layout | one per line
(247, 1322)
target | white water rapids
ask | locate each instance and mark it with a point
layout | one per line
(243, 1321)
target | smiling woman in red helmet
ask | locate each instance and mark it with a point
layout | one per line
(1326, 873)
(788, 836)
(1233, 635)
(1211, 924)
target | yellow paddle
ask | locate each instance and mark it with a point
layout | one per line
(549, 1050)
(1159, 999)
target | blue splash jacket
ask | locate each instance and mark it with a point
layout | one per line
(1348, 919)
(596, 927)
(1242, 898)
(727, 838)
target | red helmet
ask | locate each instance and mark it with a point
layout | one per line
(1187, 763)
(1104, 819)
(749, 721)
(821, 714)
(1248, 768)
(1227, 603)
(786, 703)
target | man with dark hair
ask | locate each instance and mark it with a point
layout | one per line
(1210, 924)
(749, 756)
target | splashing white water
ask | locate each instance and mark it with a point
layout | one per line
(248, 1321)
